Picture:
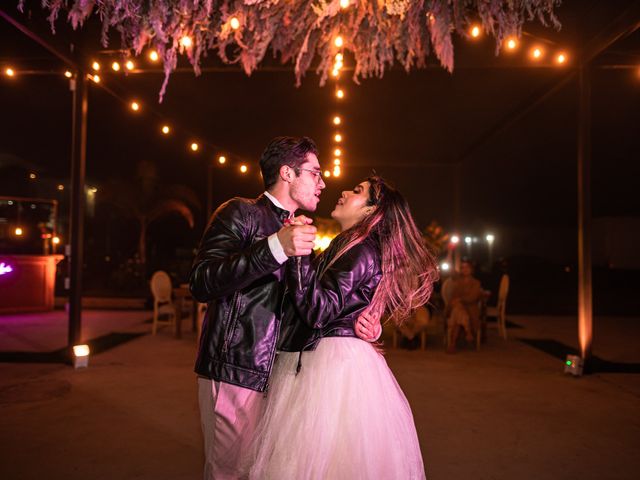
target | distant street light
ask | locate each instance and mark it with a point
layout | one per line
(490, 238)
(468, 240)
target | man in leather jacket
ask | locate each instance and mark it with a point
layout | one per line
(238, 272)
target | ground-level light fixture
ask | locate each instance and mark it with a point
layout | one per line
(574, 365)
(80, 356)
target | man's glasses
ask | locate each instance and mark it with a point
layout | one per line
(315, 173)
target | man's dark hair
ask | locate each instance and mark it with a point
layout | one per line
(290, 151)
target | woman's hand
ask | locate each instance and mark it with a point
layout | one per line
(368, 327)
(299, 220)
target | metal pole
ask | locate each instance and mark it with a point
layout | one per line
(78, 164)
(457, 207)
(585, 310)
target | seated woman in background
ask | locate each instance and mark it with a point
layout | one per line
(463, 306)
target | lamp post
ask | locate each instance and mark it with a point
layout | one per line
(453, 245)
(468, 240)
(490, 238)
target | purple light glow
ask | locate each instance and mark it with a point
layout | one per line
(5, 268)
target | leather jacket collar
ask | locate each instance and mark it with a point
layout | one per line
(281, 213)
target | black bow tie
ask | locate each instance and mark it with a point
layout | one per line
(283, 214)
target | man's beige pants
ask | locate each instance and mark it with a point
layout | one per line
(229, 415)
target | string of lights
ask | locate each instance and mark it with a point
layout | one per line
(166, 127)
(538, 51)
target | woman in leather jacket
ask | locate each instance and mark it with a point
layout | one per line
(334, 409)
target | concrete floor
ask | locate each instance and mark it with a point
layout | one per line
(505, 412)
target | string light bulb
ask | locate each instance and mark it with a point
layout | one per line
(95, 78)
(344, 4)
(222, 159)
(95, 66)
(56, 240)
(60, 187)
(327, 173)
(338, 137)
(340, 93)
(18, 231)
(243, 168)
(512, 44)
(337, 152)
(337, 120)
(9, 72)
(194, 147)
(186, 41)
(130, 65)
(536, 53)
(115, 66)
(153, 56)
(32, 176)
(338, 42)
(339, 57)
(475, 31)
(561, 58)
(68, 74)
(337, 171)
(335, 72)
(166, 129)
(135, 106)
(235, 23)
(336, 161)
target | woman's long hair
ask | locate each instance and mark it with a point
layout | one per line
(408, 268)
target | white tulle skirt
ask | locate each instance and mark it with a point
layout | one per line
(342, 417)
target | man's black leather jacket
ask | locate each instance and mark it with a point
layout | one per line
(328, 305)
(238, 276)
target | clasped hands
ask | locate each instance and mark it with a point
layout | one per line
(297, 239)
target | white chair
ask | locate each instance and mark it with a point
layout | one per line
(499, 310)
(162, 304)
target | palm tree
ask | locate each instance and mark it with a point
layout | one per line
(146, 201)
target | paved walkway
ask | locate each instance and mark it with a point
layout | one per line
(506, 412)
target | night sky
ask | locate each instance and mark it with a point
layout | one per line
(411, 128)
